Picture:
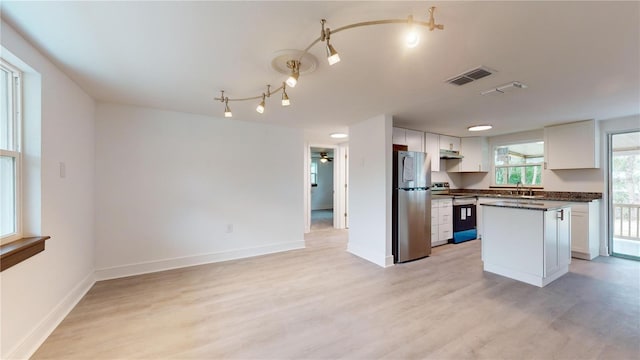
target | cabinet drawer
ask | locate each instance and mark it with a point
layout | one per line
(445, 218)
(445, 232)
(445, 203)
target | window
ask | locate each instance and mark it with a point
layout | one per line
(10, 152)
(314, 172)
(519, 163)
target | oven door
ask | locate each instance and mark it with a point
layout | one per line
(464, 220)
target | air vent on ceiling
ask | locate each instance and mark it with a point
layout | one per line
(470, 75)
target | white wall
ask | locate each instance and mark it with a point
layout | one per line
(370, 190)
(176, 189)
(39, 292)
(582, 180)
(322, 195)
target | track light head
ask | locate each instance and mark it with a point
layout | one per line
(285, 97)
(332, 55)
(260, 108)
(294, 65)
(227, 110)
(412, 38)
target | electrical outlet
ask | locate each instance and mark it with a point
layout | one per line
(229, 228)
(63, 170)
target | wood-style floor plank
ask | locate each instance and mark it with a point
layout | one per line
(324, 303)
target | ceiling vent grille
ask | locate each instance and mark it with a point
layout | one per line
(471, 75)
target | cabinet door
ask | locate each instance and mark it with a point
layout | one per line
(557, 240)
(476, 154)
(449, 143)
(432, 147)
(399, 136)
(580, 231)
(415, 140)
(564, 238)
(551, 263)
(572, 146)
(434, 213)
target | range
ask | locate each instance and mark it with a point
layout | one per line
(464, 211)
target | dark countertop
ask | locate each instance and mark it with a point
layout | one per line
(538, 195)
(531, 204)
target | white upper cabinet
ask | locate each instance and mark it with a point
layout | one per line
(399, 136)
(432, 147)
(476, 156)
(449, 143)
(572, 146)
(414, 140)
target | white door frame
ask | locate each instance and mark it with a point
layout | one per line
(339, 184)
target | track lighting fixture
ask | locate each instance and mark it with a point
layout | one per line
(261, 106)
(225, 100)
(227, 110)
(285, 97)
(412, 40)
(412, 37)
(332, 55)
(294, 65)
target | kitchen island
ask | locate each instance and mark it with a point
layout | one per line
(529, 241)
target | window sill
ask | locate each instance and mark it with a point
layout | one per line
(20, 250)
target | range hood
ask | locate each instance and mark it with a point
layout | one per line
(450, 154)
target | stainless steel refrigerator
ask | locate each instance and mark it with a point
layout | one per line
(411, 205)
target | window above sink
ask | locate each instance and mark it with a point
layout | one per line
(518, 164)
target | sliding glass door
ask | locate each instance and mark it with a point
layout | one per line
(624, 187)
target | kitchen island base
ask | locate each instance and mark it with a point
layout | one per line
(527, 241)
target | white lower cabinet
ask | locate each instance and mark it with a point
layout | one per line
(585, 230)
(441, 221)
(529, 245)
(481, 200)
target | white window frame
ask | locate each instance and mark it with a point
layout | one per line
(16, 152)
(494, 166)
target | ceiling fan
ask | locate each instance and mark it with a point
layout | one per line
(324, 158)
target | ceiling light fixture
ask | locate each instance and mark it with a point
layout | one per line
(260, 108)
(339, 135)
(294, 65)
(412, 38)
(479, 127)
(332, 55)
(225, 100)
(285, 97)
(227, 110)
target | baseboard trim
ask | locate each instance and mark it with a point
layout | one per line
(30, 343)
(389, 261)
(146, 267)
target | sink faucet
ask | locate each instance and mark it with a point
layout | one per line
(518, 185)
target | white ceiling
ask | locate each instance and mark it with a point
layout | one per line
(581, 60)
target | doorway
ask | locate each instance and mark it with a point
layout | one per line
(322, 188)
(624, 194)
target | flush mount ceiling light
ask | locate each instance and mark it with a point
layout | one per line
(505, 88)
(339, 135)
(479, 127)
(295, 64)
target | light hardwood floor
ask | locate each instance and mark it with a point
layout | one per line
(322, 302)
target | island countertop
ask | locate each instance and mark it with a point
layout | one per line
(541, 205)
